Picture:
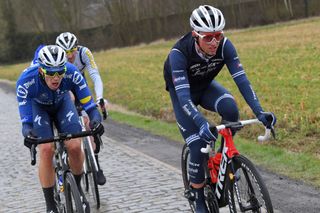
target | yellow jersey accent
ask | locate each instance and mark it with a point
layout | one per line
(92, 62)
(85, 100)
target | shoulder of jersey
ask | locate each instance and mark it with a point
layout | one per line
(71, 67)
(30, 72)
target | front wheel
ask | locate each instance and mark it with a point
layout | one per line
(72, 195)
(247, 191)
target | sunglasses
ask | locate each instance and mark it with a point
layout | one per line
(71, 51)
(59, 73)
(209, 38)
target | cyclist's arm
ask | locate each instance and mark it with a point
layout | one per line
(25, 106)
(93, 71)
(239, 76)
(83, 94)
(182, 87)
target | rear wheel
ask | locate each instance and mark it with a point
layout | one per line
(91, 177)
(247, 191)
(72, 195)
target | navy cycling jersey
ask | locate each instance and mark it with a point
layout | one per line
(186, 71)
(31, 86)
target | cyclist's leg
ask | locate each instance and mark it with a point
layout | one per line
(189, 132)
(43, 128)
(67, 121)
(217, 99)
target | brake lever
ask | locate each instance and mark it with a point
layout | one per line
(33, 153)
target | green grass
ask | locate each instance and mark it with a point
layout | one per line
(282, 63)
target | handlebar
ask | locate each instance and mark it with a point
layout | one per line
(238, 125)
(59, 137)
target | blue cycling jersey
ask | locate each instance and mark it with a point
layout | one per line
(32, 87)
(187, 71)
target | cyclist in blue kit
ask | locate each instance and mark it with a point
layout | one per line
(189, 72)
(44, 99)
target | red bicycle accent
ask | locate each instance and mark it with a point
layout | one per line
(227, 135)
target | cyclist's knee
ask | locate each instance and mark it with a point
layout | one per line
(46, 151)
(74, 147)
(228, 109)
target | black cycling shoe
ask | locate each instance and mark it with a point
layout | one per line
(101, 179)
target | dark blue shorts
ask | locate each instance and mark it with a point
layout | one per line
(62, 114)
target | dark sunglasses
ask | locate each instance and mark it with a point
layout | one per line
(59, 73)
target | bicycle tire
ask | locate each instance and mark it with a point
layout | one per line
(72, 194)
(185, 156)
(247, 191)
(91, 177)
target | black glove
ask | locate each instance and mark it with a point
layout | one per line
(102, 106)
(97, 129)
(268, 119)
(30, 139)
(207, 133)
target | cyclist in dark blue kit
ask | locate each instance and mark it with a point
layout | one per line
(189, 72)
(44, 99)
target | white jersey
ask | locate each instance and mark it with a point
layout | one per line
(84, 60)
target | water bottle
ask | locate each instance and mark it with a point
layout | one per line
(60, 182)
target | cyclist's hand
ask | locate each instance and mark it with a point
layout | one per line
(102, 104)
(268, 119)
(206, 134)
(30, 139)
(96, 127)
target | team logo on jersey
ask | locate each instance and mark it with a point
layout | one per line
(22, 102)
(180, 78)
(22, 92)
(77, 78)
(69, 115)
(38, 120)
(29, 83)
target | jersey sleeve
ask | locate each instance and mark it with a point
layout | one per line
(239, 76)
(23, 92)
(93, 71)
(82, 91)
(178, 63)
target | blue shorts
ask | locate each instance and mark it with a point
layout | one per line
(62, 114)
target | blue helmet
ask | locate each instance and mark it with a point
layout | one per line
(52, 58)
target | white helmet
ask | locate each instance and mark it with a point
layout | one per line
(52, 58)
(207, 19)
(67, 41)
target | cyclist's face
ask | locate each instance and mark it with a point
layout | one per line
(71, 55)
(53, 82)
(209, 42)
